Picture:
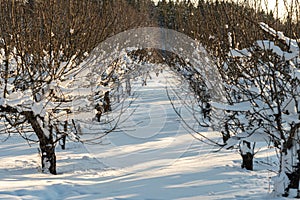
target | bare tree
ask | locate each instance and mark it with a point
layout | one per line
(259, 68)
(264, 99)
(43, 44)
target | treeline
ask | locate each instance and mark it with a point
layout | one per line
(210, 22)
(86, 23)
(77, 26)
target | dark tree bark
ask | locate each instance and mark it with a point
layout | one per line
(247, 157)
(106, 103)
(47, 147)
(294, 174)
(247, 162)
(225, 133)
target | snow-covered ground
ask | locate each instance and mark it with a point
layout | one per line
(154, 157)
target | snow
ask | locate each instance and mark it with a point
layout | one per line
(291, 42)
(243, 106)
(2, 101)
(282, 178)
(155, 158)
(239, 53)
(245, 149)
(38, 108)
(269, 45)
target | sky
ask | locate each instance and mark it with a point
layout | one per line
(267, 5)
(271, 5)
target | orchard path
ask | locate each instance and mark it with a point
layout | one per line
(154, 157)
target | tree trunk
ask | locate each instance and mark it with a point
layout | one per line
(291, 169)
(48, 156)
(106, 104)
(128, 87)
(47, 147)
(247, 155)
(64, 136)
(225, 133)
(289, 165)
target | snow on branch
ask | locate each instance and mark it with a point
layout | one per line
(291, 43)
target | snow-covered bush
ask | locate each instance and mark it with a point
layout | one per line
(262, 85)
(44, 87)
